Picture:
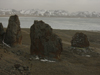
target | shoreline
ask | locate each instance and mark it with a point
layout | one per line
(69, 30)
(50, 16)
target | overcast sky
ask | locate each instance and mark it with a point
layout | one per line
(69, 5)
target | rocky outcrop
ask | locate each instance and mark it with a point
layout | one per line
(2, 33)
(13, 33)
(44, 43)
(80, 40)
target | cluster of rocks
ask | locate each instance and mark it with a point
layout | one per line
(88, 52)
(17, 52)
(44, 43)
(21, 68)
(24, 70)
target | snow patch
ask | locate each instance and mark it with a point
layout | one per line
(37, 58)
(46, 60)
(88, 55)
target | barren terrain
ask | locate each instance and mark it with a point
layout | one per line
(69, 64)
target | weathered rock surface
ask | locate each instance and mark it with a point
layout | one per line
(80, 40)
(13, 33)
(2, 33)
(44, 43)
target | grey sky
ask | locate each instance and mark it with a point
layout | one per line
(70, 5)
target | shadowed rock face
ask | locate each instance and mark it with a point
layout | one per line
(80, 40)
(13, 33)
(44, 43)
(2, 33)
(1, 29)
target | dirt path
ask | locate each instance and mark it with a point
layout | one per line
(65, 42)
(25, 31)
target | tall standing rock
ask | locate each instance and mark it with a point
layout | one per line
(44, 43)
(13, 33)
(80, 40)
(2, 33)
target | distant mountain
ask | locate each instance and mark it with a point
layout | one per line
(8, 11)
(48, 13)
(85, 14)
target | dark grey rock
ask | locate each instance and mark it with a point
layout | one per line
(17, 66)
(80, 40)
(44, 43)
(2, 33)
(13, 33)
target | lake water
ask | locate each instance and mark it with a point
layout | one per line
(59, 23)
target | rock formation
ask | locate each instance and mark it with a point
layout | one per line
(44, 43)
(13, 33)
(2, 33)
(80, 40)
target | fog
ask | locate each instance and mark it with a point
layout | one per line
(69, 5)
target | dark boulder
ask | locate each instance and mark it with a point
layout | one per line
(80, 40)
(2, 33)
(13, 33)
(44, 43)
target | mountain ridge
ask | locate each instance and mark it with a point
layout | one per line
(49, 13)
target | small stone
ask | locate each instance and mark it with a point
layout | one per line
(22, 72)
(18, 53)
(20, 69)
(37, 57)
(5, 51)
(30, 59)
(26, 68)
(88, 55)
(17, 66)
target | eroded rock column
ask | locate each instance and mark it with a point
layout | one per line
(44, 43)
(13, 33)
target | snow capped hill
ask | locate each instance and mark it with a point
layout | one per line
(85, 14)
(37, 12)
(8, 11)
(49, 13)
